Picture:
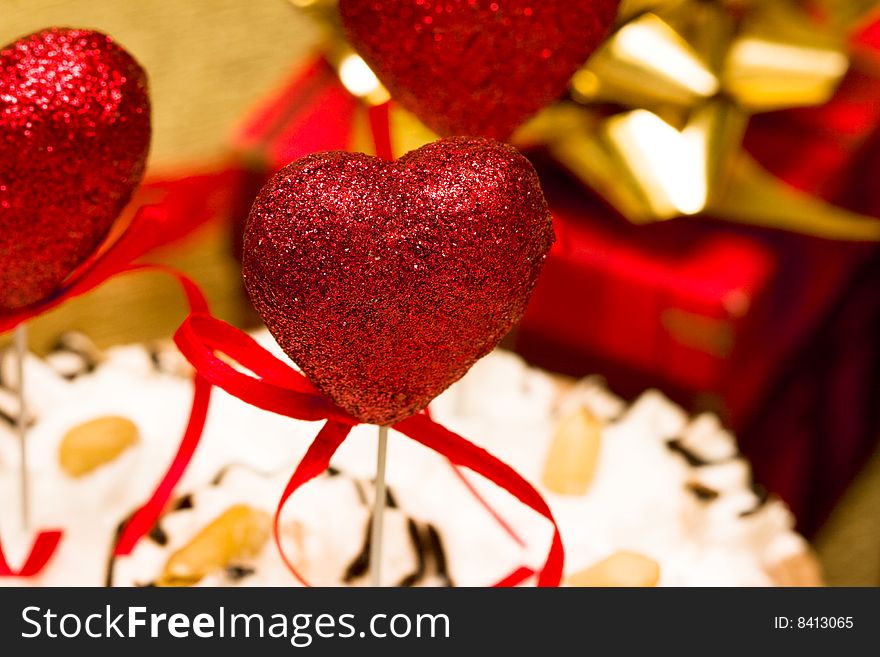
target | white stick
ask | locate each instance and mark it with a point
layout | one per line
(21, 340)
(378, 511)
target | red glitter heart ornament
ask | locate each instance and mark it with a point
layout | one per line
(385, 281)
(476, 67)
(74, 136)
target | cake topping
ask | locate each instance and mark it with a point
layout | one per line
(573, 454)
(92, 444)
(705, 436)
(763, 496)
(237, 572)
(695, 461)
(73, 355)
(9, 409)
(238, 533)
(701, 492)
(183, 502)
(166, 359)
(727, 476)
(438, 551)
(158, 535)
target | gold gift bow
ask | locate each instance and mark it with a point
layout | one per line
(678, 151)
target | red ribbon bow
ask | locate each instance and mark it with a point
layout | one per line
(279, 388)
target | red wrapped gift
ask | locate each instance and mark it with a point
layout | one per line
(694, 306)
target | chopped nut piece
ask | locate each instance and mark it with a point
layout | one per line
(573, 454)
(620, 569)
(238, 533)
(94, 443)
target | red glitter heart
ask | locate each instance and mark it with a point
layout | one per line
(74, 136)
(385, 281)
(476, 67)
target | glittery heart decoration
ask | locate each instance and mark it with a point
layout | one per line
(385, 281)
(74, 136)
(476, 67)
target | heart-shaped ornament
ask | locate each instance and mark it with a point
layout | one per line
(74, 136)
(385, 281)
(476, 67)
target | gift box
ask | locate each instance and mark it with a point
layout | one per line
(697, 306)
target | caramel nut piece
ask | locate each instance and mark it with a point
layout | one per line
(91, 444)
(573, 454)
(238, 533)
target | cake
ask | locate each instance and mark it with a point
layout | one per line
(643, 494)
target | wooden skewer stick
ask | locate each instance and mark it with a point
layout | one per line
(378, 511)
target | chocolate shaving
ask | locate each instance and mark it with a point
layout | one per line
(80, 346)
(111, 560)
(418, 544)
(390, 500)
(701, 492)
(362, 496)
(3, 356)
(361, 562)
(439, 554)
(7, 418)
(13, 421)
(158, 535)
(155, 361)
(184, 502)
(9, 408)
(217, 479)
(763, 496)
(694, 460)
(237, 572)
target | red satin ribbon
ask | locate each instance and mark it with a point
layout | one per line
(42, 549)
(380, 127)
(142, 521)
(146, 231)
(278, 388)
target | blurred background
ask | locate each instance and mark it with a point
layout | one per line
(739, 276)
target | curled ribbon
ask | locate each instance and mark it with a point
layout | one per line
(147, 230)
(278, 388)
(42, 549)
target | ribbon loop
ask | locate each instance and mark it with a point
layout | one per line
(42, 549)
(313, 464)
(277, 387)
(284, 392)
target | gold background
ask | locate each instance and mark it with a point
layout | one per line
(208, 62)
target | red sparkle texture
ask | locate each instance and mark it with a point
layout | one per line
(74, 137)
(476, 67)
(385, 281)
